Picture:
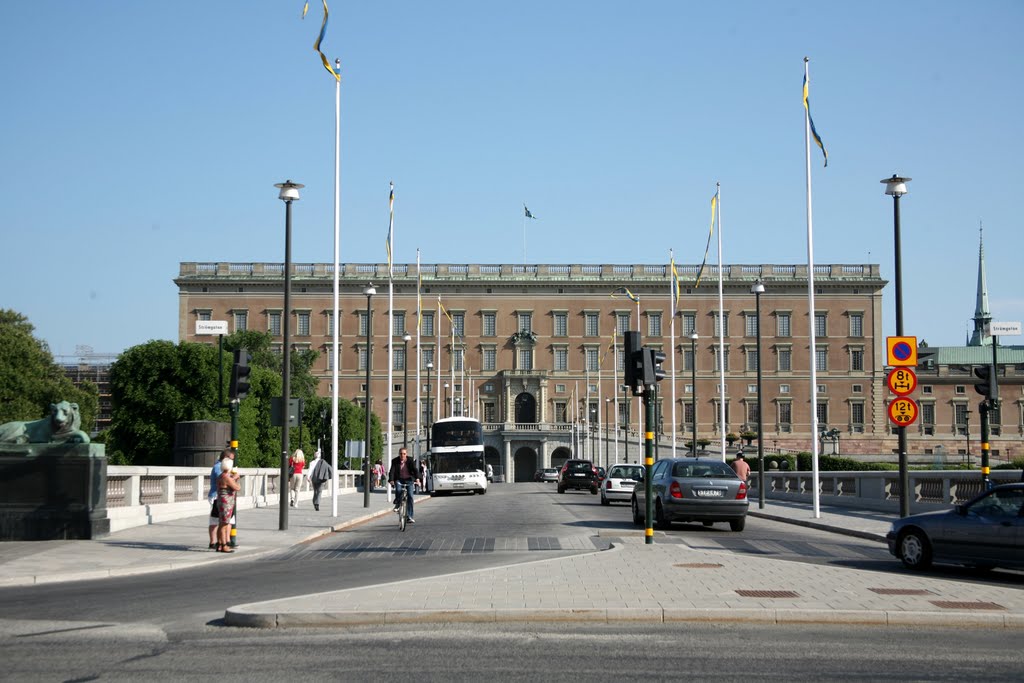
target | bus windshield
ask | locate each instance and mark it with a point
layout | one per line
(459, 433)
(450, 463)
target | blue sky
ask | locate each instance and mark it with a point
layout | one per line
(139, 135)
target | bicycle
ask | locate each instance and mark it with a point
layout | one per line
(403, 507)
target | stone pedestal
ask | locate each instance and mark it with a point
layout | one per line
(53, 492)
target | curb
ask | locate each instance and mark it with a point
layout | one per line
(820, 526)
(640, 615)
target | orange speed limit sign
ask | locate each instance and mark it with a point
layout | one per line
(903, 412)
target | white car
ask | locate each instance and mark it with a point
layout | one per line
(619, 482)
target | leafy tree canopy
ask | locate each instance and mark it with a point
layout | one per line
(30, 380)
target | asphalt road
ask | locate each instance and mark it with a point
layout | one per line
(168, 626)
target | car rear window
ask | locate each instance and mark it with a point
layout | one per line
(714, 470)
(579, 467)
(624, 473)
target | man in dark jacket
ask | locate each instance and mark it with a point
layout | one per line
(404, 472)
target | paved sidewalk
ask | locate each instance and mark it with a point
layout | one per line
(632, 582)
(180, 543)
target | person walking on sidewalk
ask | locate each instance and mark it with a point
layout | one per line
(296, 464)
(319, 474)
(740, 466)
(227, 497)
(405, 473)
(211, 497)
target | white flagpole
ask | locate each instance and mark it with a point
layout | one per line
(334, 319)
(437, 360)
(391, 325)
(672, 341)
(810, 307)
(721, 328)
(586, 414)
(419, 355)
(639, 404)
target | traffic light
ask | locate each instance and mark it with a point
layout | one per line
(634, 362)
(987, 386)
(240, 375)
(652, 370)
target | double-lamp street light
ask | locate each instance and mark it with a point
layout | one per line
(289, 192)
(693, 390)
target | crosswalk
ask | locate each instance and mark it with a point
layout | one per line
(397, 545)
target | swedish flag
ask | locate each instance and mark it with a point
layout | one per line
(814, 132)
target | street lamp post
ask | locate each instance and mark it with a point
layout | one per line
(625, 429)
(405, 391)
(289, 192)
(369, 292)
(967, 432)
(693, 390)
(430, 410)
(758, 290)
(897, 187)
(607, 402)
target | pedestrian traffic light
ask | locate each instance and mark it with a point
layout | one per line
(240, 375)
(633, 366)
(987, 386)
(652, 370)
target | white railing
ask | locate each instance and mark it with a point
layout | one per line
(137, 496)
(873, 490)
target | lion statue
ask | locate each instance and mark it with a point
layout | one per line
(61, 426)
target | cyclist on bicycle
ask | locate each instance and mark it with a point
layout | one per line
(404, 473)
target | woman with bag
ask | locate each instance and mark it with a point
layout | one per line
(227, 497)
(295, 466)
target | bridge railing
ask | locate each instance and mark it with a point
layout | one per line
(137, 496)
(874, 490)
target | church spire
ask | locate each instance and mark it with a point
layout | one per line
(982, 315)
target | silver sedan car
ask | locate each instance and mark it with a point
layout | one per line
(693, 490)
(619, 483)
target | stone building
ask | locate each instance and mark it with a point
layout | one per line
(535, 350)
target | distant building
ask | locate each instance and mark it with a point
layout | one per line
(94, 368)
(532, 351)
(949, 419)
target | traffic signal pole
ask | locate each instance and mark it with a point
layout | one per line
(648, 463)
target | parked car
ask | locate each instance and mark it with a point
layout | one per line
(549, 474)
(693, 490)
(577, 474)
(985, 532)
(618, 485)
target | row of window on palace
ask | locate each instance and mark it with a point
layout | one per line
(563, 413)
(560, 323)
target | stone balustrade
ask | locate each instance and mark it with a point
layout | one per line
(137, 496)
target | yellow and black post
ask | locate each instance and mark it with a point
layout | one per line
(648, 461)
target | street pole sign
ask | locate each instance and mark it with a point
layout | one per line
(902, 351)
(903, 412)
(902, 381)
(995, 329)
(210, 327)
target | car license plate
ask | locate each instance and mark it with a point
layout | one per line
(458, 486)
(710, 493)
(579, 475)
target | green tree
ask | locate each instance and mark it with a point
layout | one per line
(154, 386)
(30, 380)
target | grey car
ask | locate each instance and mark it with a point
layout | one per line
(693, 490)
(985, 532)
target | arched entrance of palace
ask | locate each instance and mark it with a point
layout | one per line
(559, 456)
(525, 463)
(526, 408)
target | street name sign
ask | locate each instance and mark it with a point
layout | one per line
(1004, 329)
(903, 412)
(902, 351)
(208, 327)
(902, 381)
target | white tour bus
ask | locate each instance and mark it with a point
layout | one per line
(457, 456)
